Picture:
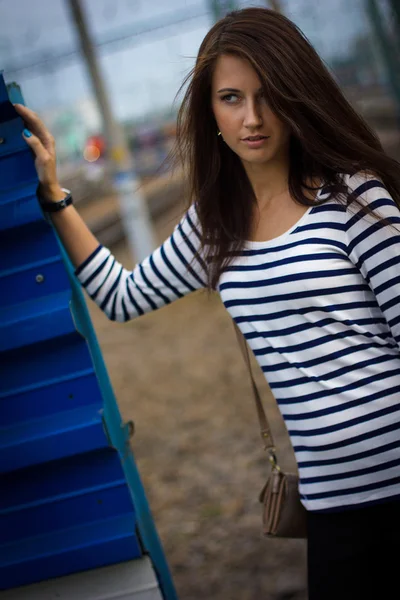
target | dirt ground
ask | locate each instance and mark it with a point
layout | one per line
(179, 375)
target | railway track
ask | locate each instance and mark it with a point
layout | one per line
(102, 213)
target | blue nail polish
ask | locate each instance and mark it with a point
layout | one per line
(27, 133)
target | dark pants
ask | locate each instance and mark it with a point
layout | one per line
(355, 554)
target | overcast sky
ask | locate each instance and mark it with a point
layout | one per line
(145, 73)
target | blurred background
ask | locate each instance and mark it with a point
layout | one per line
(104, 74)
(144, 48)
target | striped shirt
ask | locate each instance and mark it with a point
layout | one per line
(319, 307)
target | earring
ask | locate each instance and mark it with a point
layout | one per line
(219, 133)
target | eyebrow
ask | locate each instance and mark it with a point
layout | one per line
(234, 90)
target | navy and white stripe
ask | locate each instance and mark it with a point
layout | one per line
(319, 306)
(169, 273)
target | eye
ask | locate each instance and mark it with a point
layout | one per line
(230, 98)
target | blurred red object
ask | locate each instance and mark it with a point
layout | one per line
(95, 148)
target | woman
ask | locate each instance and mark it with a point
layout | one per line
(294, 208)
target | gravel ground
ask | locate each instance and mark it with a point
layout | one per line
(179, 375)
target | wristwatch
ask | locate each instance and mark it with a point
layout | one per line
(59, 205)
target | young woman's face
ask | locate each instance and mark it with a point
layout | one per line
(247, 124)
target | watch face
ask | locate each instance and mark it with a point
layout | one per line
(56, 206)
(64, 202)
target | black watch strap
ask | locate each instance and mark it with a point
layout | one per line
(51, 207)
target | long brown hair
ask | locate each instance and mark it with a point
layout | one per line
(328, 137)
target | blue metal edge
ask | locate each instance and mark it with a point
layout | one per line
(114, 424)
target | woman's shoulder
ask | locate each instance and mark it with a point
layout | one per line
(349, 186)
(369, 199)
(191, 218)
(360, 178)
(365, 186)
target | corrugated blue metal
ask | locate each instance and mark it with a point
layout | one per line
(65, 504)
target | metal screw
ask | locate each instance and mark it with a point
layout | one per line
(2, 140)
(39, 278)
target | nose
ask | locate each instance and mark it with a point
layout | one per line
(252, 115)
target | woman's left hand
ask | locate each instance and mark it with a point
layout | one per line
(42, 144)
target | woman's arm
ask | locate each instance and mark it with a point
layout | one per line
(374, 247)
(169, 273)
(172, 271)
(75, 235)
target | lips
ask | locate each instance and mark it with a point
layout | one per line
(255, 142)
(255, 138)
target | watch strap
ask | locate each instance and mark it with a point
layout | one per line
(52, 207)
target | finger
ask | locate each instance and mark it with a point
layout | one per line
(34, 123)
(29, 116)
(22, 109)
(36, 146)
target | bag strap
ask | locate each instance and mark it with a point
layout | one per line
(266, 434)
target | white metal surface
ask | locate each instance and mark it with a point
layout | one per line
(133, 580)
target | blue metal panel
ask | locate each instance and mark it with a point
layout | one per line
(65, 504)
(67, 475)
(18, 206)
(78, 548)
(71, 392)
(57, 436)
(41, 319)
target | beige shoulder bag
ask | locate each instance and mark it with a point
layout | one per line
(283, 514)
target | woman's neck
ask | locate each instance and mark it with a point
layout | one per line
(269, 181)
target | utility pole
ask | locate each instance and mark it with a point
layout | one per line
(395, 6)
(276, 5)
(389, 54)
(220, 8)
(133, 208)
